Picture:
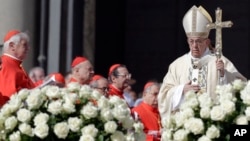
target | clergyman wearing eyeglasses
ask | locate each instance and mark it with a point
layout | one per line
(119, 77)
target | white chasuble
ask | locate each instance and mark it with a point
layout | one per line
(179, 74)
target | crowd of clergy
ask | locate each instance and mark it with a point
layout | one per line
(13, 77)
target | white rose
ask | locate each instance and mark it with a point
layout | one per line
(188, 112)
(180, 135)
(53, 92)
(190, 95)
(69, 107)
(106, 114)
(138, 126)
(89, 111)
(128, 122)
(41, 118)
(87, 137)
(14, 103)
(45, 88)
(131, 137)
(103, 102)
(238, 84)
(221, 89)
(120, 112)
(24, 115)
(117, 136)
(217, 113)
(180, 119)
(244, 94)
(55, 107)
(191, 102)
(71, 97)
(167, 135)
(61, 130)
(213, 132)
(85, 91)
(26, 129)
(228, 106)
(90, 129)
(74, 124)
(64, 91)
(110, 126)
(194, 125)
(205, 100)
(23, 93)
(247, 112)
(115, 100)
(168, 122)
(6, 110)
(226, 96)
(34, 100)
(73, 86)
(241, 120)
(95, 94)
(41, 130)
(10, 123)
(204, 138)
(15, 136)
(205, 112)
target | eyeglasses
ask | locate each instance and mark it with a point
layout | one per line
(198, 41)
(104, 89)
(128, 76)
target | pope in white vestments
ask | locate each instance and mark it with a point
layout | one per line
(198, 70)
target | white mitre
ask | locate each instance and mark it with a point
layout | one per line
(195, 21)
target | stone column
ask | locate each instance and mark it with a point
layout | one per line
(19, 14)
(54, 36)
(89, 30)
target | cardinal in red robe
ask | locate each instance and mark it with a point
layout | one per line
(82, 70)
(147, 112)
(12, 75)
(119, 77)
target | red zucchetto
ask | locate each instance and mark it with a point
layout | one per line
(113, 67)
(96, 77)
(10, 34)
(77, 61)
(148, 84)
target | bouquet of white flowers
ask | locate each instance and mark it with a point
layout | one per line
(73, 113)
(201, 118)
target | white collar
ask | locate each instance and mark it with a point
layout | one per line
(11, 56)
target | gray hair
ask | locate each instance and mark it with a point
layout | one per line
(15, 39)
(93, 84)
(147, 90)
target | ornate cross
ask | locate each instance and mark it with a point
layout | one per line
(218, 25)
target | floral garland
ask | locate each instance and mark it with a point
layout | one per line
(202, 119)
(73, 113)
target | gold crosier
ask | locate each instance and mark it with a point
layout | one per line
(218, 25)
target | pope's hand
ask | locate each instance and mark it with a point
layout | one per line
(188, 87)
(220, 67)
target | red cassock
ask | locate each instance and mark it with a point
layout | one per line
(113, 91)
(150, 118)
(12, 78)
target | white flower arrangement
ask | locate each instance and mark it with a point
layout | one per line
(73, 113)
(201, 118)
